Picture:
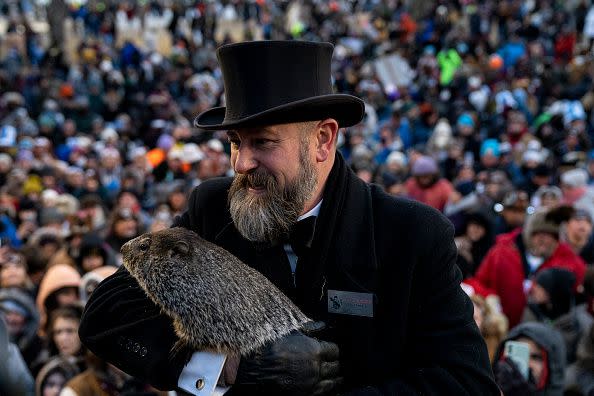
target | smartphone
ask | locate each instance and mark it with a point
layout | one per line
(519, 352)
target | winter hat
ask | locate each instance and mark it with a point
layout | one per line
(91, 279)
(581, 214)
(397, 157)
(558, 283)
(465, 120)
(575, 178)
(549, 190)
(490, 146)
(165, 142)
(531, 156)
(424, 165)
(539, 222)
(215, 145)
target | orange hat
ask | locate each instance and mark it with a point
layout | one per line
(66, 90)
(155, 157)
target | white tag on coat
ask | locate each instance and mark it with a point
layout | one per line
(350, 303)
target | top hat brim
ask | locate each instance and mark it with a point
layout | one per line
(347, 110)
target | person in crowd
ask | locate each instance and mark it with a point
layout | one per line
(58, 288)
(52, 377)
(576, 192)
(125, 225)
(104, 379)
(21, 319)
(473, 244)
(15, 378)
(550, 296)
(426, 185)
(512, 212)
(511, 264)
(90, 281)
(13, 271)
(578, 234)
(491, 322)
(62, 335)
(546, 362)
(579, 376)
(94, 253)
(547, 197)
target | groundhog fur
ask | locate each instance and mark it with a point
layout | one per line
(217, 303)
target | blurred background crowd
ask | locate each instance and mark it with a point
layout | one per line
(482, 109)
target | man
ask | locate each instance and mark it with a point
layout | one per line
(576, 191)
(578, 234)
(510, 265)
(379, 271)
(426, 185)
(512, 212)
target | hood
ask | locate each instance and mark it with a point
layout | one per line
(23, 299)
(91, 279)
(552, 342)
(68, 369)
(585, 349)
(56, 277)
(508, 238)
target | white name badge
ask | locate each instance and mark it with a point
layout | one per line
(350, 303)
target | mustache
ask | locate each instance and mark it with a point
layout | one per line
(257, 179)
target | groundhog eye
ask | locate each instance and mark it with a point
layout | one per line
(143, 247)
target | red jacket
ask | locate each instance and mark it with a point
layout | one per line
(502, 273)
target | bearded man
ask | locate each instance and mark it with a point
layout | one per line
(378, 271)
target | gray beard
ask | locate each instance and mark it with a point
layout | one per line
(268, 217)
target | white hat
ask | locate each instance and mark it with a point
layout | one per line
(176, 153)
(532, 156)
(575, 178)
(215, 145)
(192, 153)
(396, 157)
(137, 152)
(108, 133)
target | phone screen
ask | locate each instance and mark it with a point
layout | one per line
(519, 352)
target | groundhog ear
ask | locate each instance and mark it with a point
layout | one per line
(181, 247)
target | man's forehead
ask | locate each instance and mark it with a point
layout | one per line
(262, 130)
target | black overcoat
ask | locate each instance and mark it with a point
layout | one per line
(420, 338)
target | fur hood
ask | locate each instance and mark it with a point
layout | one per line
(24, 300)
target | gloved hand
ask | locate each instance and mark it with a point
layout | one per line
(510, 379)
(295, 365)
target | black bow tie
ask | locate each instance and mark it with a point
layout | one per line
(302, 234)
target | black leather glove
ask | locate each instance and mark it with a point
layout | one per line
(510, 380)
(295, 365)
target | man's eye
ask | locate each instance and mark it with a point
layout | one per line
(262, 142)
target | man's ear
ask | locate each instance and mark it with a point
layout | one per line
(326, 134)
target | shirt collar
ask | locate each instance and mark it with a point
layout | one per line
(313, 212)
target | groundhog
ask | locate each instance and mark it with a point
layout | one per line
(217, 303)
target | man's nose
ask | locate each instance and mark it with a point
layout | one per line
(245, 160)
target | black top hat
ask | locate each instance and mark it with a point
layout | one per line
(277, 82)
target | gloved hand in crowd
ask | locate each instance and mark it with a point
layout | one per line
(510, 379)
(297, 364)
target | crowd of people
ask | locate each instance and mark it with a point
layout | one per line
(483, 110)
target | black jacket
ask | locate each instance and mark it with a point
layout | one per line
(421, 338)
